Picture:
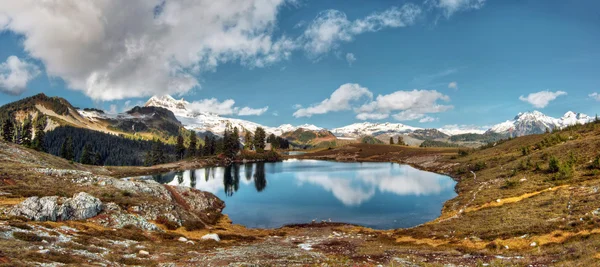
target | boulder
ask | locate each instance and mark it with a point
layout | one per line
(38, 209)
(214, 237)
(80, 207)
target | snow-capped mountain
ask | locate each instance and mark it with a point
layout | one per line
(206, 121)
(536, 122)
(523, 124)
(369, 128)
(463, 129)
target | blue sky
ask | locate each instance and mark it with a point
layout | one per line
(434, 62)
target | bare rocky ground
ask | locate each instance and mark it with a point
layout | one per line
(143, 223)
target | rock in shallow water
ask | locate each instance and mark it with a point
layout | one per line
(81, 206)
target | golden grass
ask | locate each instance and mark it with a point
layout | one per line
(511, 200)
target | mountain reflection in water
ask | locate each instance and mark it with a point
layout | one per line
(379, 195)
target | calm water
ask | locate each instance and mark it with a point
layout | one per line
(267, 195)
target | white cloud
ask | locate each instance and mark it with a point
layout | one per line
(427, 119)
(275, 113)
(117, 49)
(15, 74)
(450, 7)
(372, 116)
(297, 106)
(339, 100)
(408, 115)
(350, 58)
(246, 111)
(215, 106)
(541, 99)
(412, 105)
(226, 107)
(595, 96)
(453, 85)
(332, 27)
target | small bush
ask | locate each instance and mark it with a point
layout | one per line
(20, 225)
(192, 225)
(479, 166)
(565, 171)
(29, 237)
(167, 223)
(463, 153)
(553, 165)
(595, 163)
(509, 184)
(525, 151)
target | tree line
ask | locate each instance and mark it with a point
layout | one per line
(30, 133)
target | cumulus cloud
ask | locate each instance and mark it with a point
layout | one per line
(595, 96)
(15, 74)
(372, 116)
(246, 111)
(453, 85)
(226, 107)
(409, 105)
(541, 99)
(117, 49)
(332, 27)
(350, 58)
(450, 7)
(339, 100)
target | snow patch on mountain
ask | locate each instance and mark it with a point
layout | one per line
(455, 129)
(536, 122)
(369, 128)
(206, 121)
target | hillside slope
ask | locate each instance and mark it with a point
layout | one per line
(145, 122)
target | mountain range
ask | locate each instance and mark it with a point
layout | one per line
(523, 124)
(165, 116)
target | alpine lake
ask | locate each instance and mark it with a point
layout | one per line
(271, 195)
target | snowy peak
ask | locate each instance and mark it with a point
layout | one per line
(368, 128)
(536, 122)
(170, 103)
(206, 121)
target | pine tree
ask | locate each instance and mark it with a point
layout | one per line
(38, 140)
(391, 140)
(26, 136)
(193, 145)
(157, 156)
(180, 147)
(227, 146)
(248, 140)
(66, 150)
(18, 138)
(148, 158)
(86, 155)
(259, 139)
(213, 145)
(400, 141)
(8, 130)
(206, 148)
(200, 150)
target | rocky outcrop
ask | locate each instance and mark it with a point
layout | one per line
(53, 208)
